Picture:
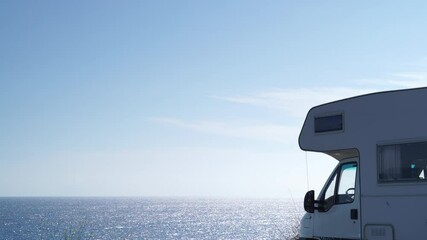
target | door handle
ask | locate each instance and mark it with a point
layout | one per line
(353, 214)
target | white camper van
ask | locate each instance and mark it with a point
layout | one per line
(378, 191)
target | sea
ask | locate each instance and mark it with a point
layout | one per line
(77, 218)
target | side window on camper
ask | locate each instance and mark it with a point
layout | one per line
(341, 188)
(402, 162)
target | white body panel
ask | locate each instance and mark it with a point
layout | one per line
(369, 121)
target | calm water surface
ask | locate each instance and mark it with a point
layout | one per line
(147, 218)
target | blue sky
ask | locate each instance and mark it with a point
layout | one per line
(187, 98)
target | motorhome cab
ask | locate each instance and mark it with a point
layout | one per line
(378, 191)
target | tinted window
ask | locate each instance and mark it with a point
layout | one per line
(328, 123)
(402, 162)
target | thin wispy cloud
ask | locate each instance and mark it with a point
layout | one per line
(296, 102)
(254, 131)
(398, 81)
(411, 79)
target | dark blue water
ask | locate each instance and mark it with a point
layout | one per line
(147, 218)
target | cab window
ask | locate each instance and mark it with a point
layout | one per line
(341, 187)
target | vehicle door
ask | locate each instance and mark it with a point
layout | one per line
(338, 209)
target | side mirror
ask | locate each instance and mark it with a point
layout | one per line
(309, 201)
